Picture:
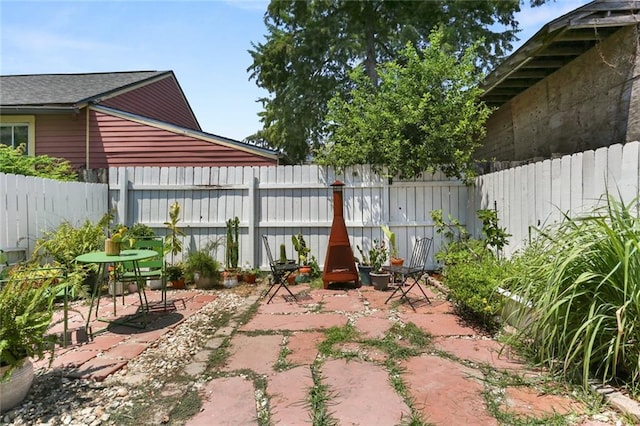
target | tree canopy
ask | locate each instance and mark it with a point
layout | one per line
(312, 46)
(422, 115)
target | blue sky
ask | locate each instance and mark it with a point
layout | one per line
(205, 43)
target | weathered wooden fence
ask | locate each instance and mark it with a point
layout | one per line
(531, 196)
(30, 205)
(280, 202)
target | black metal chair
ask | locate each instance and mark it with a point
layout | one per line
(279, 273)
(415, 269)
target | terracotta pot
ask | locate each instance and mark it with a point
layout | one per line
(397, 261)
(178, 284)
(291, 279)
(249, 278)
(305, 270)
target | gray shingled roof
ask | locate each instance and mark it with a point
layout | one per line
(65, 89)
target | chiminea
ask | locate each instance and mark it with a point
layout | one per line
(339, 266)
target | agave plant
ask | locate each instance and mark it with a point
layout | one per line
(583, 279)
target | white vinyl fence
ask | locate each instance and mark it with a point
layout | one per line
(31, 205)
(280, 202)
(537, 194)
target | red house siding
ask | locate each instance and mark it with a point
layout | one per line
(63, 136)
(115, 141)
(162, 100)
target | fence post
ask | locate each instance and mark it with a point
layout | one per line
(124, 197)
(252, 218)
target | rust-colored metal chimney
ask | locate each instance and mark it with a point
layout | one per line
(339, 265)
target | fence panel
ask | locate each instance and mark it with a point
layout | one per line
(538, 194)
(30, 206)
(280, 202)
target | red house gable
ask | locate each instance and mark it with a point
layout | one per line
(161, 100)
(120, 139)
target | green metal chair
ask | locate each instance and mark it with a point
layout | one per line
(150, 269)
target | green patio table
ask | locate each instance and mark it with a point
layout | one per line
(102, 260)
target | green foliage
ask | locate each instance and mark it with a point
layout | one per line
(26, 310)
(471, 271)
(232, 243)
(472, 281)
(495, 236)
(172, 242)
(582, 279)
(67, 242)
(203, 261)
(423, 115)
(283, 253)
(391, 236)
(311, 47)
(141, 230)
(300, 246)
(14, 160)
(375, 256)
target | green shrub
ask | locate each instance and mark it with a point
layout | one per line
(13, 160)
(582, 278)
(472, 281)
(66, 242)
(26, 310)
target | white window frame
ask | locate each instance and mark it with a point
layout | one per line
(30, 122)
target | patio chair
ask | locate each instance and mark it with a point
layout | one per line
(415, 270)
(279, 273)
(150, 269)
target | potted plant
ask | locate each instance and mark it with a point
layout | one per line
(173, 245)
(175, 275)
(250, 274)
(26, 310)
(394, 259)
(300, 246)
(231, 270)
(202, 268)
(377, 257)
(364, 264)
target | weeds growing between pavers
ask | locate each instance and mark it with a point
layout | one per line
(319, 399)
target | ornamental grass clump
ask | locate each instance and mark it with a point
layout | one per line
(582, 277)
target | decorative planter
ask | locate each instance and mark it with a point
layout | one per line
(515, 311)
(396, 261)
(230, 280)
(132, 287)
(111, 248)
(203, 282)
(116, 288)
(365, 274)
(249, 278)
(178, 284)
(154, 284)
(380, 281)
(15, 389)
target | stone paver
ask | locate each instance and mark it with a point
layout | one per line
(529, 402)
(257, 353)
(445, 391)
(227, 401)
(341, 303)
(361, 394)
(289, 393)
(373, 327)
(294, 322)
(304, 347)
(438, 324)
(480, 350)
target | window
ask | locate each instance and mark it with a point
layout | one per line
(18, 130)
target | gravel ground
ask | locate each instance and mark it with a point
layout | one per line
(57, 400)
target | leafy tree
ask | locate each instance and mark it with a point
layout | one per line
(14, 161)
(311, 47)
(423, 115)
